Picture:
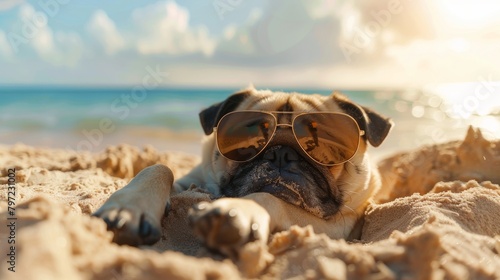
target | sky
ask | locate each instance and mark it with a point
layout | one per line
(232, 43)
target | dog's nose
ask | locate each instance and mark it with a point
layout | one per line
(281, 156)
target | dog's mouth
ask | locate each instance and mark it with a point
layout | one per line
(297, 182)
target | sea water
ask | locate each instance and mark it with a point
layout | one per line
(90, 118)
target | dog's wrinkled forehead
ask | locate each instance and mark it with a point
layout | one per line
(265, 100)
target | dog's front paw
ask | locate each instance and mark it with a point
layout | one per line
(130, 225)
(134, 212)
(227, 224)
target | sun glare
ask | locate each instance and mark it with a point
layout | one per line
(459, 45)
(473, 103)
(463, 100)
(469, 13)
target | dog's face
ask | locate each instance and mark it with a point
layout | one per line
(283, 168)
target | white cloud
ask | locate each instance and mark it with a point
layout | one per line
(9, 4)
(61, 49)
(319, 9)
(413, 43)
(238, 39)
(70, 48)
(446, 60)
(36, 30)
(43, 43)
(5, 49)
(280, 44)
(297, 32)
(164, 29)
(103, 29)
(395, 22)
(65, 48)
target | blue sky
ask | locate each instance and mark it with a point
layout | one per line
(230, 43)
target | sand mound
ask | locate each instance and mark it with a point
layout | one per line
(474, 158)
(440, 218)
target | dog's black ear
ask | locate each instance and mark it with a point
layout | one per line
(211, 115)
(376, 126)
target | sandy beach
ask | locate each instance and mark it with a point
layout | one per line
(93, 92)
(162, 139)
(436, 218)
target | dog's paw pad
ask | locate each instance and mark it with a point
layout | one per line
(222, 227)
(129, 226)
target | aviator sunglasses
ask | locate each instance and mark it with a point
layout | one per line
(327, 138)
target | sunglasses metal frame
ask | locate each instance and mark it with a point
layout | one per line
(273, 114)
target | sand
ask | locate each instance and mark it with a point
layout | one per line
(437, 217)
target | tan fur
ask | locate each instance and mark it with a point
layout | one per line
(258, 214)
(147, 194)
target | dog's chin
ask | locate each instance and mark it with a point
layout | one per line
(302, 184)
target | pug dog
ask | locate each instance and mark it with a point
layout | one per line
(272, 160)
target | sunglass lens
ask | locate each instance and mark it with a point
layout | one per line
(329, 138)
(243, 135)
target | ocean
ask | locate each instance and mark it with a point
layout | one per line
(85, 118)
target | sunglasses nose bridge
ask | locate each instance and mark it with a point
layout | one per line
(279, 126)
(284, 124)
